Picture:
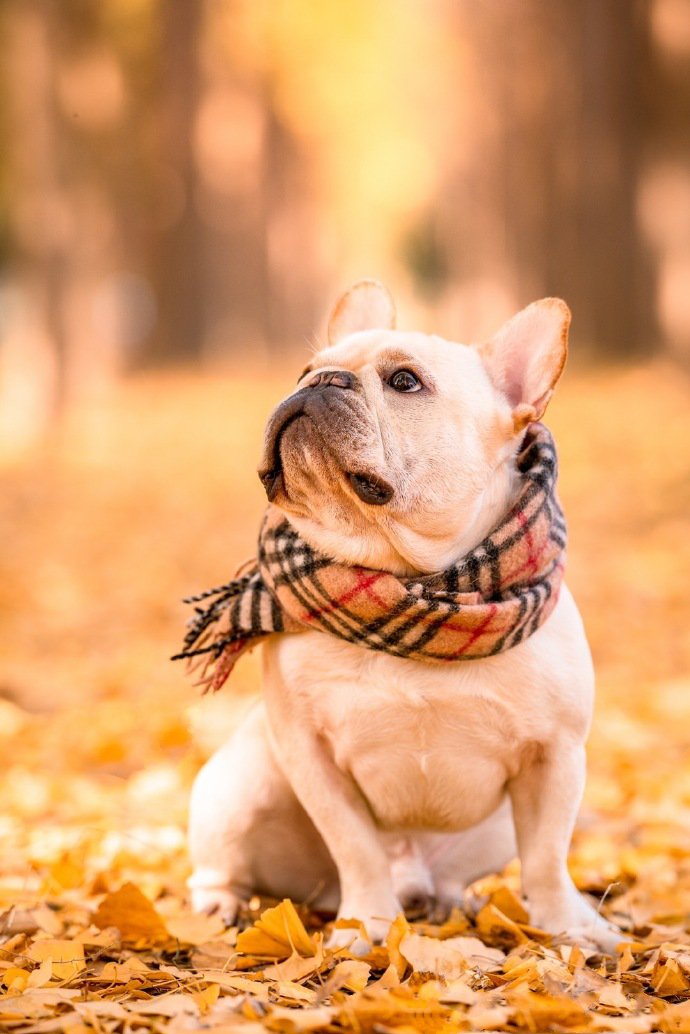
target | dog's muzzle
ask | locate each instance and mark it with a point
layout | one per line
(318, 401)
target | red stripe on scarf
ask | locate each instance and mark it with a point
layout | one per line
(364, 580)
(482, 630)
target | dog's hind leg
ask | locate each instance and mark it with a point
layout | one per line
(249, 834)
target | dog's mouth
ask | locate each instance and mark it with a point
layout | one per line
(370, 488)
(271, 477)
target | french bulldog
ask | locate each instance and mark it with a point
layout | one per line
(367, 783)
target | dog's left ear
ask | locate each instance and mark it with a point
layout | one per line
(526, 357)
(368, 305)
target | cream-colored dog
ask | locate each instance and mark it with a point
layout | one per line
(366, 782)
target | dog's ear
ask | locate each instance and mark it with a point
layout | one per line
(368, 305)
(526, 357)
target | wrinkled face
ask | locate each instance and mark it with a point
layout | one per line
(395, 451)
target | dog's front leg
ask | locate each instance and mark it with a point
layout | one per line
(342, 817)
(546, 795)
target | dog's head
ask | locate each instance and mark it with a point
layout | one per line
(396, 451)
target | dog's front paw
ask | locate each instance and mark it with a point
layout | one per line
(376, 923)
(350, 939)
(216, 901)
(599, 934)
(592, 928)
(575, 920)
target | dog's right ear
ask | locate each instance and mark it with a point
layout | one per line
(368, 305)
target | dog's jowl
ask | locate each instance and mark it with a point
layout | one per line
(427, 682)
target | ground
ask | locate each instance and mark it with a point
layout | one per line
(149, 494)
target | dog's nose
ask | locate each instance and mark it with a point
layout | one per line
(337, 378)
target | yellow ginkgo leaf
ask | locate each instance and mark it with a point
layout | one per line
(669, 979)
(67, 957)
(195, 929)
(547, 1012)
(352, 974)
(123, 972)
(277, 933)
(399, 929)
(43, 975)
(427, 955)
(133, 915)
(494, 927)
(15, 979)
(507, 902)
(296, 967)
(206, 998)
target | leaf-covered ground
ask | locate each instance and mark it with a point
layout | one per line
(151, 494)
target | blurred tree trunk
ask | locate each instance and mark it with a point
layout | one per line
(557, 168)
(666, 197)
(39, 226)
(597, 256)
(179, 263)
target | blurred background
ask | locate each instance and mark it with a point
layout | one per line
(185, 187)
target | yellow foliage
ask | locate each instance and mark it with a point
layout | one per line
(277, 933)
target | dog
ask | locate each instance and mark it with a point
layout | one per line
(366, 783)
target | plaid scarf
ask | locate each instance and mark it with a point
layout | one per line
(494, 597)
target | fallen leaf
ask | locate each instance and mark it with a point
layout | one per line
(48, 920)
(67, 872)
(612, 995)
(296, 1020)
(458, 992)
(669, 979)
(293, 992)
(194, 928)
(427, 955)
(399, 929)
(66, 957)
(43, 974)
(626, 1024)
(171, 1005)
(109, 937)
(277, 933)
(206, 998)
(296, 967)
(542, 1012)
(123, 972)
(133, 915)
(496, 928)
(15, 979)
(352, 974)
(573, 956)
(509, 904)
(257, 988)
(476, 952)
(35, 1002)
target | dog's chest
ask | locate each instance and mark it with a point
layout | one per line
(421, 753)
(429, 746)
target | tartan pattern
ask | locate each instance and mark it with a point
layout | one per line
(496, 596)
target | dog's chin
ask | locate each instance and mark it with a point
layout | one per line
(352, 540)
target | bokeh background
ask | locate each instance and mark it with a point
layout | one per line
(185, 187)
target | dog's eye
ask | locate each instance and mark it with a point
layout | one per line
(404, 380)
